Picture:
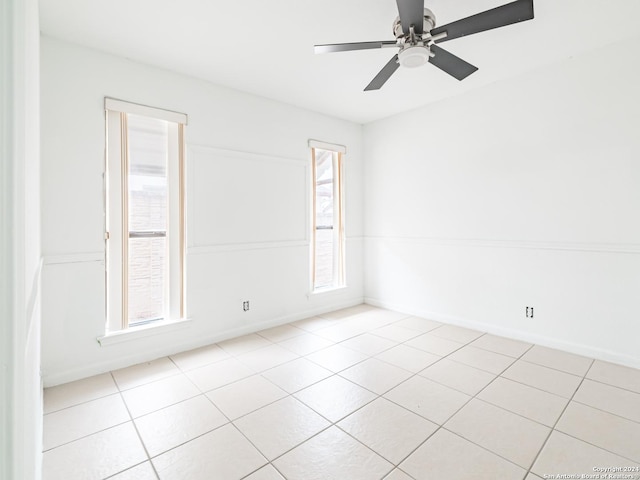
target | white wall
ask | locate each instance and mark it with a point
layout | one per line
(20, 256)
(522, 193)
(248, 206)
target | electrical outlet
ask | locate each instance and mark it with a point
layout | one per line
(528, 312)
(245, 305)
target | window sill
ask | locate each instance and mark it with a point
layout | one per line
(326, 291)
(143, 331)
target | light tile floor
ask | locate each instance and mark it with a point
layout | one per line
(359, 394)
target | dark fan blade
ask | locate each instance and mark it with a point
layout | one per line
(384, 74)
(345, 47)
(514, 12)
(411, 13)
(449, 63)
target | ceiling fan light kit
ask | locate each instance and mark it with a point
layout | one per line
(414, 56)
(416, 37)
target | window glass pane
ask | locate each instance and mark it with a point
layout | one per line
(324, 235)
(148, 212)
(148, 189)
(324, 188)
(147, 287)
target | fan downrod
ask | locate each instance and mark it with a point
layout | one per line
(429, 22)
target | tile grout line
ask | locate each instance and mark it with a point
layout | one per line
(499, 375)
(557, 369)
(637, 422)
(376, 396)
(600, 382)
(598, 447)
(270, 462)
(471, 397)
(133, 423)
(553, 429)
(229, 422)
(333, 374)
(83, 402)
(332, 423)
(537, 388)
(582, 440)
(119, 394)
(127, 469)
(413, 374)
(87, 435)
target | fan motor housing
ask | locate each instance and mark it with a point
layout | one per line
(429, 22)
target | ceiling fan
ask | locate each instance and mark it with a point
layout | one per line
(416, 36)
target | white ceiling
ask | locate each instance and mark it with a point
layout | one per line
(265, 47)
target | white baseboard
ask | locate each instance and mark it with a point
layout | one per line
(576, 348)
(96, 368)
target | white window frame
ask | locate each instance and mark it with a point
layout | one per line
(116, 198)
(339, 269)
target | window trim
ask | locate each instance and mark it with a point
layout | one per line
(332, 147)
(124, 106)
(143, 331)
(116, 224)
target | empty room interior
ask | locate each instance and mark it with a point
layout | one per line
(358, 240)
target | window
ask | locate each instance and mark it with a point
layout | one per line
(145, 215)
(328, 218)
